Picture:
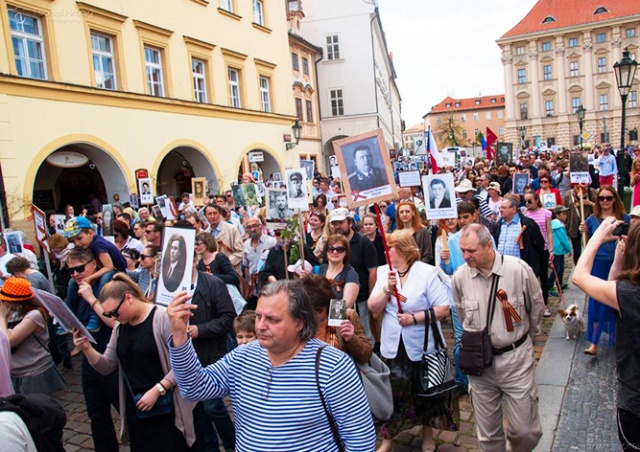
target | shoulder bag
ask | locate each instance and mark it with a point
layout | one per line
(435, 378)
(332, 422)
(164, 404)
(475, 346)
(376, 380)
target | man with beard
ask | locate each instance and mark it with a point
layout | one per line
(255, 251)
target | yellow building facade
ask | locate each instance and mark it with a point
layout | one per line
(181, 88)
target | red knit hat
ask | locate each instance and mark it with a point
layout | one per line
(16, 289)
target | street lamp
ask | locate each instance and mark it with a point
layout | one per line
(625, 71)
(580, 111)
(296, 127)
(523, 133)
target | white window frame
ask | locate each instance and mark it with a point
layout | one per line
(258, 12)
(574, 69)
(227, 5)
(155, 88)
(601, 37)
(547, 72)
(333, 47)
(632, 99)
(548, 107)
(573, 42)
(476, 117)
(520, 50)
(500, 114)
(336, 101)
(602, 65)
(199, 80)
(487, 115)
(265, 93)
(500, 131)
(603, 102)
(305, 65)
(522, 75)
(24, 61)
(233, 76)
(630, 33)
(575, 104)
(463, 118)
(546, 46)
(103, 56)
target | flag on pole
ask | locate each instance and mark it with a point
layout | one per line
(432, 150)
(491, 138)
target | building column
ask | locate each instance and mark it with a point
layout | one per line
(563, 107)
(587, 74)
(535, 80)
(510, 98)
(616, 55)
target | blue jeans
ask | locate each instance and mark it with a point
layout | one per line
(215, 411)
(558, 263)
(457, 336)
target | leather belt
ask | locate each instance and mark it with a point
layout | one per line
(508, 348)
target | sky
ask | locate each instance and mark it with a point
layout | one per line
(447, 48)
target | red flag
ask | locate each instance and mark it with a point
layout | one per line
(491, 138)
(432, 151)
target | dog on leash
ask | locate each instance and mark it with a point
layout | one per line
(573, 321)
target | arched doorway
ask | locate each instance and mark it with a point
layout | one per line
(327, 152)
(179, 166)
(266, 164)
(58, 183)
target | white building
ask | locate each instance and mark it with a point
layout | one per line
(356, 77)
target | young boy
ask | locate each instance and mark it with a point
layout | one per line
(245, 327)
(562, 246)
(79, 231)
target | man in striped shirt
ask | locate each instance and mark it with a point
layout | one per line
(276, 393)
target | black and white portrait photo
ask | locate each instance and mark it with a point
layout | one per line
(238, 195)
(504, 153)
(277, 205)
(520, 183)
(439, 198)
(297, 188)
(107, 220)
(144, 187)
(579, 167)
(309, 166)
(337, 312)
(439, 192)
(199, 190)
(14, 242)
(178, 248)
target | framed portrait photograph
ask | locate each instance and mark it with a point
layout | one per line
(60, 222)
(337, 312)
(13, 241)
(199, 190)
(504, 153)
(440, 196)
(107, 220)
(238, 195)
(250, 194)
(156, 211)
(520, 183)
(144, 189)
(277, 204)
(309, 166)
(178, 247)
(579, 167)
(297, 188)
(364, 159)
(548, 201)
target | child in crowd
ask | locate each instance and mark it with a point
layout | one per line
(562, 247)
(78, 230)
(245, 327)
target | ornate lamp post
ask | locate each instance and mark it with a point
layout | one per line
(523, 133)
(625, 70)
(296, 127)
(580, 111)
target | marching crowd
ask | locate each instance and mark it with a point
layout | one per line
(257, 328)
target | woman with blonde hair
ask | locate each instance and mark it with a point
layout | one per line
(403, 337)
(407, 218)
(138, 349)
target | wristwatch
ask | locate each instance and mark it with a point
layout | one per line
(161, 389)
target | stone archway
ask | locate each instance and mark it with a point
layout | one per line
(327, 151)
(57, 183)
(179, 166)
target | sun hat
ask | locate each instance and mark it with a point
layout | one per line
(465, 186)
(495, 186)
(74, 226)
(16, 289)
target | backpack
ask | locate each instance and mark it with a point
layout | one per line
(44, 417)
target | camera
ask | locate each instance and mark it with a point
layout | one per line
(621, 229)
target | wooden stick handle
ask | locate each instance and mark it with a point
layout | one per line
(445, 243)
(584, 233)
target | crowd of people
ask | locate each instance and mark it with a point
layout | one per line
(167, 370)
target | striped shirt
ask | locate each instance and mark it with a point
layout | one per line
(540, 216)
(279, 408)
(484, 207)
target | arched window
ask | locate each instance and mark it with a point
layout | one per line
(548, 19)
(600, 10)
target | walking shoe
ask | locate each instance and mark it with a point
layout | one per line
(553, 293)
(94, 324)
(547, 312)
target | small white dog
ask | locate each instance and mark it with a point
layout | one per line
(573, 321)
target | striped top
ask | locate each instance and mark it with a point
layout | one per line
(279, 408)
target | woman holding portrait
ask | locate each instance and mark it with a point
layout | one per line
(342, 276)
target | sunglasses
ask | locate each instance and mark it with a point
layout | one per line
(78, 268)
(143, 257)
(198, 243)
(528, 201)
(115, 314)
(149, 231)
(336, 249)
(605, 198)
(544, 181)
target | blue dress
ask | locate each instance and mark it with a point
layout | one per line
(601, 318)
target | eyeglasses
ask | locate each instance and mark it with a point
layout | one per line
(605, 198)
(544, 181)
(528, 201)
(336, 249)
(229, 196)
(149, 231)
(143, 257)
(78, 268)
(198, 243)
(115, 314)
(253, 226)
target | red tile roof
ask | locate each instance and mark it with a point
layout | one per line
(468, 104)
(568, 13)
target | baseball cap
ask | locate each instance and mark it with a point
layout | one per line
(339, 214)
(561, 209)
(74, 226)
(635, 212)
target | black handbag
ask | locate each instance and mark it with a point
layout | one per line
(164, 404)
(475, 346)
(435, 378)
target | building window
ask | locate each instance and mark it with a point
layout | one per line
(448, 105)
(457, 104)
(337, 102)
(153, 66)
(28, 45)
(476, 132)
(234, 87)
(493, 100)
(333, 48)
(576, 140)
(294, 62)
(519, 50)
(227, 5)
(546, 46)
(476, 117)
(602, 65)
(500, 131)
(546, 71)
(265, 94)
(548, 19)
(633, 135)
(299, 109)
(604, 102)
(309, 106)
(305, 66)
(464, 133)
(500, 114)
(487, 115)
(258, 12)
(439, 137)
(524, 111)
(463, 118)
(477, 101)
(573, 69)
(198, 68)
(575, 104)
(632, 100)
(630, 32)
(104, 68)
(551, 141)
(522, 75)
(601, 37)
(439, 120)
(548, 107)
(573, 42)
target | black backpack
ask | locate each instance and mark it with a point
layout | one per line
(44, 417)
